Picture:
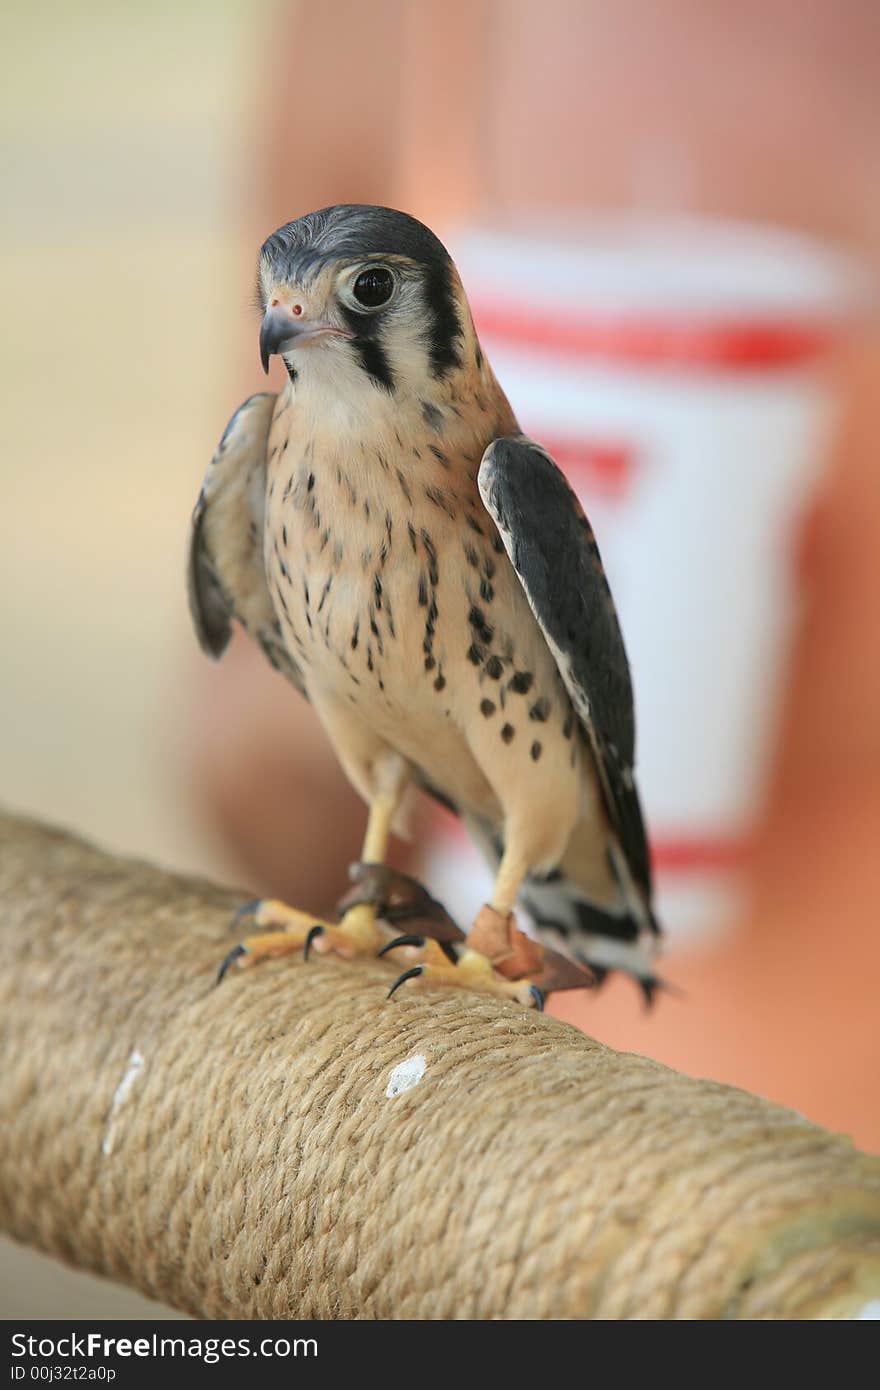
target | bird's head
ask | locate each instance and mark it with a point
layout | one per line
(357, 295)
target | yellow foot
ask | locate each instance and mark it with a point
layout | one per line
(497, 959)
(469, 970)
(292, 930)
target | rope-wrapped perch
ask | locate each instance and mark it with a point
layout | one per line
(251, 1151)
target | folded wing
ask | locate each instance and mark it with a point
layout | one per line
(226, 571)
(553, 550)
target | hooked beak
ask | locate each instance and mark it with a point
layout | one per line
(281, 332)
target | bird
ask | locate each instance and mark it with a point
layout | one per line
(421, 571)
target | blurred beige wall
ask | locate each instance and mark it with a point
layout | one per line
(126, 285)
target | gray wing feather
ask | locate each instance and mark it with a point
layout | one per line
(226, 573)
(553, 550)
(209, 605)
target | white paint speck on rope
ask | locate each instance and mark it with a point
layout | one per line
(406, 1075)
(129, 1076)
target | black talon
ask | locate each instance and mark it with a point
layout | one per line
(316, 931)
(401, 941)
(538, 996)
(246, 910)
(652, 984)
(407, 975)
(234, 954)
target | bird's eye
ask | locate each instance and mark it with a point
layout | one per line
(373, 287)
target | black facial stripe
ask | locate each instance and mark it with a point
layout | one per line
(444, 336)
(367, 344)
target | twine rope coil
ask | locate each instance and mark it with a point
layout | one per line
(291, 1145)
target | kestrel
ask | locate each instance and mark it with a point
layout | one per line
(422, 572)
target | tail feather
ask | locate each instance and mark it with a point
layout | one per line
(601, 939)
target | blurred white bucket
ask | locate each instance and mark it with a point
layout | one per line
(675, 372)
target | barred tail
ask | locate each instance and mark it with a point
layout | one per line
(601, 939)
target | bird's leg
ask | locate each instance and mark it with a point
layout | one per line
(358, 933)
(495, 933)
(288, 929)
